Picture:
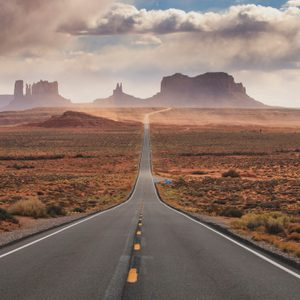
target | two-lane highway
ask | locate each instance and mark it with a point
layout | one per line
(179, 257)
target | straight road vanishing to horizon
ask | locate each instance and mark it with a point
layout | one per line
(141, 249)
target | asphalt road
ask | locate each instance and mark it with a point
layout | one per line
(179, 258)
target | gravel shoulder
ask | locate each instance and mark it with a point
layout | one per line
(30, 227)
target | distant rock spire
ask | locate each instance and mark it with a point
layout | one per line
(118, 91)
(19, 89)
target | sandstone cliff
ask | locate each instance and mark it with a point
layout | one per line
(215, 90)
(207, 90)
(40, 94)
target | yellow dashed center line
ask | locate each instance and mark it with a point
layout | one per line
(132, 276)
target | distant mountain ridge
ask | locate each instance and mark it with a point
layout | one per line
(5, 100)
(209, 90)
(40, 94)
(212, 90)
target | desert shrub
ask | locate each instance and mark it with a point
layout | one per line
(180, 182)
(55, 210)
(31, 157)
(231, 173)
(32, 208)
(79, 210)
(221, 201)
(21, 167)
(294, 236)
(6, 216)
(294, 228)
(250, 222)
(274, 227)
(199, 173)
(271, 223)
(232, 212)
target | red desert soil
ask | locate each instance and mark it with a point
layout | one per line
(74, 119)
(248, 176)
(73, 163)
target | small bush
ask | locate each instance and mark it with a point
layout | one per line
(6, 216)
(180, 182)
(231, 173)
(21, 167)
(30, 208)
(55, 210)
(79, 210)
(294, 228)
(274, 227)
(294, 236)
(199, 173)
(232, 212)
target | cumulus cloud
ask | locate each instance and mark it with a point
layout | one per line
(243, 36)
(292, 3)
(238, 20)
(33, 25)
(86, 43)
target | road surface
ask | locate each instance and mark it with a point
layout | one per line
(179, 258)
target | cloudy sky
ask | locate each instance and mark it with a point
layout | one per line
(89, 45)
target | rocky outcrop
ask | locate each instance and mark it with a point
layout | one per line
(207, 90)
(19, 89)
(120, 99)
(40, 94)
(74, 119)
(5, 100)
(215, 90)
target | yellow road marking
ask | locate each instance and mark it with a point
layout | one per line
(137, 247)
(132, 276)
(139, 233)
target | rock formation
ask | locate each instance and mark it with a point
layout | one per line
(207, 90)
(19, 89)
(5, 100)
(118, 91)
(120, 99)
(74, 119)
(40, 94)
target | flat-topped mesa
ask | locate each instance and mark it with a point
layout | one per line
(207, 90)
(41, 88)
(210, 84)
(40, 94)
(45, 88)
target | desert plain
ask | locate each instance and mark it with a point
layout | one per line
(231, 165)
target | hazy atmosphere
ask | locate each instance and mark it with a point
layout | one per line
(88, 46)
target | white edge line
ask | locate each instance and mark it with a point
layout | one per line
(274, 263)
(72, 225)
(228, 238)
(87, 218)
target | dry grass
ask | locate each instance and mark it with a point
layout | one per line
(70, 171)
(31, 208)
(234, 174)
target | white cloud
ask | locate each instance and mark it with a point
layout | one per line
(238, 20)
(31, 26)
(67, 41)
(292, 3)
